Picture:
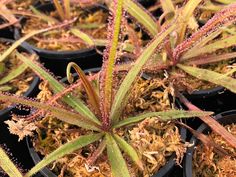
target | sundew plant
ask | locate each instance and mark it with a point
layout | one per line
(188, 46)
(103, 115)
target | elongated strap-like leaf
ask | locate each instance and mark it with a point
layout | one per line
(128, 149)
(109, 61)
(168, 10)
(167, 6)
(210, 59)
(116, 160)
(57, 87)
(98, 42)
(141, 16)
(67, 8)
(29, 35)
(86, 38)
(64, 150)
(97, 153)
(121, 95)
(206, 140)
(8, 166)
(225, 1)
(219, 44)
(163, 115)
(203, 41)
(59, 9)
(14, 73)
(211, 76)
(211, 122)
(58, 112)
(92, 95)
(185, 16)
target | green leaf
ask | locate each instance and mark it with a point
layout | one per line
(86, 38)
(64, 150)
(13, 73)
(128, 149)
(208, 5)
(201, 60)
(168, 7)
(8, 166)
(58, 112)
(219, 44)
(108, 66)
(142, 16)
(225, 1)
(89, 25)
(42, 16)
(57, 87)
(2, 67)
(116, 160)
(163, 115)
(5, 88)
(121, 95)
(100, 42)
(185, 16)
(210, 76)
(203, 41)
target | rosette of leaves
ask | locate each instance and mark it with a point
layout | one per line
(189, 46)
(193, 55)
(103, 115)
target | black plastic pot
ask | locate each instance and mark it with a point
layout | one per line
(7, 32)
(165, 171)
(9, 140)
(147, 3)
(224, 118)
(56, 61)
(217, 100)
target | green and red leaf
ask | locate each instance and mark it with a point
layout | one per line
(63, 150)
(118, 165)
(8, 166)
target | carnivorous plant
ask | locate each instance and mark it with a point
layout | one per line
(103, 115)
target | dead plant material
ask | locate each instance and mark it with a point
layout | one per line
(20, 5)
(208, 163)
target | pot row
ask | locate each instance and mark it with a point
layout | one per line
(30, 156)
(212, 102)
